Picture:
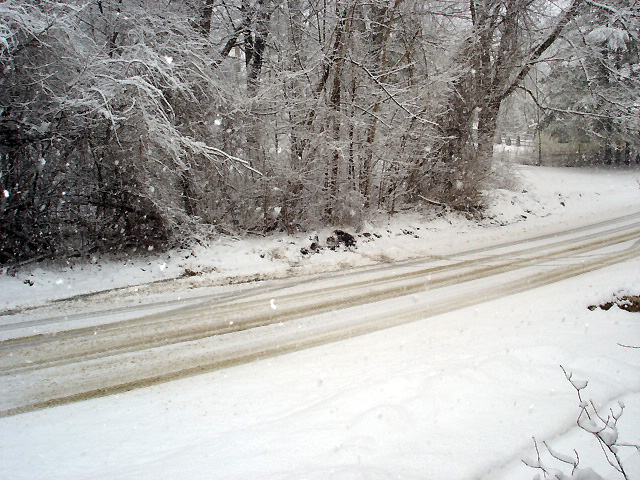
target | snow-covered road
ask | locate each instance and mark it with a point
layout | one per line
(62, 364)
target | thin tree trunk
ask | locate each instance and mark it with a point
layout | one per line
(380, 39)
(335, 100)
(256, 44)
(335, 104)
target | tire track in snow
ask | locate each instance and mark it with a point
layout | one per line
(203, 300)
(389, 287)
(168, 328)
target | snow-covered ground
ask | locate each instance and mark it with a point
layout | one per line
(542, 200)
(454, 396)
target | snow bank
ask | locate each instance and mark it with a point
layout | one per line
(544, 201)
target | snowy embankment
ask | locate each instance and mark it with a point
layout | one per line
(455, 396)
(543, 200)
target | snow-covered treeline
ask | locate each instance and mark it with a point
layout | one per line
(129, 123)
(591, 90)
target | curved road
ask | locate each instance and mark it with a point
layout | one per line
(202, 334)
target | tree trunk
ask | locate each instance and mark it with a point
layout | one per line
(255, 46)
(383, 17)
(187, 194)
(487, 123)
(492, 63)
(335, 100)
(205, 18)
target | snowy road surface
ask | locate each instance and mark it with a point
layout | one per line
(64, 365)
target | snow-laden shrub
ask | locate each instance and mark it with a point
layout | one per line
(107, 128)
(603, 427)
